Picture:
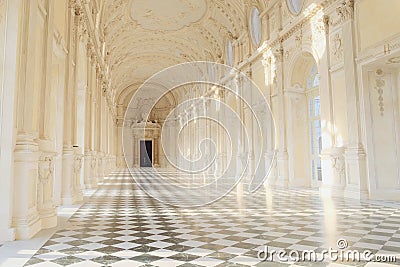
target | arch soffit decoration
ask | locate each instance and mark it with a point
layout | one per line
(126, 94)
(299, 67)
(293, 60)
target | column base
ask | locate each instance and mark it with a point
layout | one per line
(282, 180)
(331, 190)
(67, 197)
(26, 220)
(91, 185)
(282, 184)
(78, 198)
(26, 230)
(7, 234)
(72, 200)
(355, 192)
(49, 221)
(356, 173)
(297, 182)
(385, 194)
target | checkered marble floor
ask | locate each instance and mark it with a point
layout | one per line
(122, 226)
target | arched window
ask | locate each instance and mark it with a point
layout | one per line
(313, 78)
(295, 6)
(229, 53)
(314, 113)
(255, 26)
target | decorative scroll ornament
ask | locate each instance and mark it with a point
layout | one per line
(380, 83)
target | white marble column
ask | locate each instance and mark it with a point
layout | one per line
(69, 194)
(269, 126)
(89, 179)
(356, 176)
(282, 157)
(8, 76)
(252, 134)
(240, 157)
(332, 161)
(26, 218)
(46, 206)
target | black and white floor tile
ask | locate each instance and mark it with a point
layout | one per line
(122, 226)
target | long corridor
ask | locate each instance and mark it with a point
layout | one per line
(122, 226)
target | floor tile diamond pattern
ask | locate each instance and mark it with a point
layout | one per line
(122, 226)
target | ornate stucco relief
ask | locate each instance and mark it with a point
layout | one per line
(167, 15)
(336, 47)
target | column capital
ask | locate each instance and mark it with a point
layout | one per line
(346, 10)
(278, 54)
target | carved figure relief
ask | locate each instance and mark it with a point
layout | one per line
(77, 163)
(93, 162)
(337, 47)
(46, 167)
(339, 165)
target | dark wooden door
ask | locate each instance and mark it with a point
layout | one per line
(146, 153)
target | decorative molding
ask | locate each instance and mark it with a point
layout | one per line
(387, 48)
(379, 84)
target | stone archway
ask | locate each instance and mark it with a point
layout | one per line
(304, 124)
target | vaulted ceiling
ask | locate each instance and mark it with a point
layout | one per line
(143, 37)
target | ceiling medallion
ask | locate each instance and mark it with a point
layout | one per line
(167, 15)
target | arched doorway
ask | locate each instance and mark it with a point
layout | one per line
(304, 122)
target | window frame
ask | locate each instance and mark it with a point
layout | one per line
(229, 52)
(290, 5)
(252, 27)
